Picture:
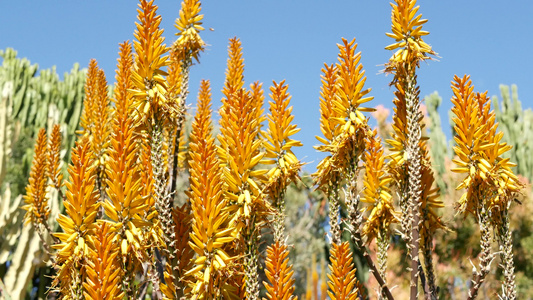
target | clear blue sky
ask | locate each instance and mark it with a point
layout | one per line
(291, 40)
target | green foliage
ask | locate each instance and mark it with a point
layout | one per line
(437, 139)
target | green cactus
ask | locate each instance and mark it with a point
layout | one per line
(437, 139)
(517, 127)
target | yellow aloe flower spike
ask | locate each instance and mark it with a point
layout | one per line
(490, 184)
(150, 103)
(346, 118)
(125, 204)
(81, 207)
(479, 153)
(210, 232)
(96, 119)
(407, 33)
(91, 92)
(279, 273)
(55, 170)
(327, 95)
(189, 25)
(326, 172)
(376, 192)
(234, 74)
(45, 166)
(103, 268)
(37, 208)
(188, 46)
(342, 281)
(153, 110)
(239, 152)
(279, 153)
(349, 127)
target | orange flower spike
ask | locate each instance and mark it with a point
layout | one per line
(479, 151)
(81, 207)
(239, 126)
(342, 281)
(349, 86)
(239, 153)
(279, 144)
(36, 202)
(279, 273)
(233, 83)
(56, 173)
(122, 98)
(86, 118)
(327, 124)
(258, 99)
(81, 199)
(96, 110)
(467, 114)
(407, 32)
(234, 73)
(327, 95)
(346, 119)
(96, 119)
(125, 204)
(102, 118)
(376, 192)
(189, 25)
(209, 233)
(103, 268)
(149, 86)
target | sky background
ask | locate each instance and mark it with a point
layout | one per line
(291, 40)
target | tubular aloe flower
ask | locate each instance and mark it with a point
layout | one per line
(279, 273)
(239, 152)
(479, 152)
(150, 103)
(103, 265)
(342, 281)
(96, 119)
(376, 192)
(55, 170)
(37, 206)
(490, 184)
(125, 205)
(279, 152)
(210, 232)
(189, 25)
(81, 207)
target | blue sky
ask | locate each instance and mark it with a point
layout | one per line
(291, 40)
